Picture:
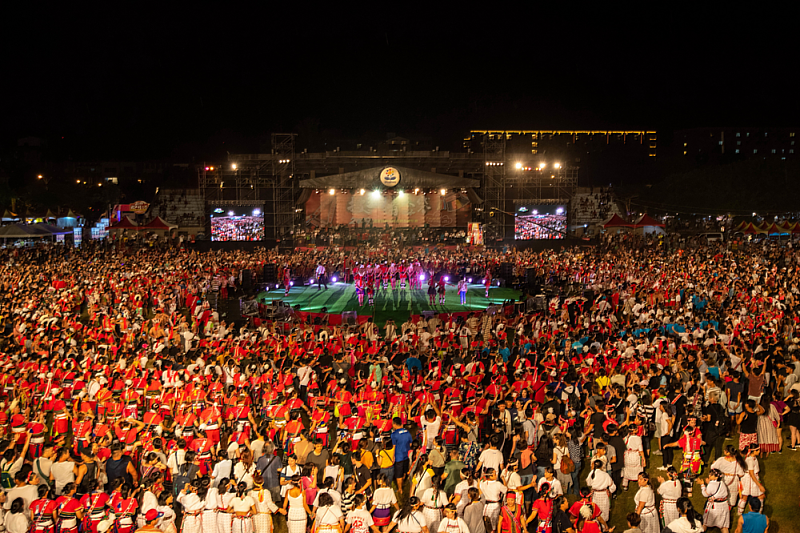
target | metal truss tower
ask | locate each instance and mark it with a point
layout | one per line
(284, 193)
(493, 185)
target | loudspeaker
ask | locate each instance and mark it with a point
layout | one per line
(506, 271)
(531, 281)
(270, 273)
(232, 310)
(247, 279)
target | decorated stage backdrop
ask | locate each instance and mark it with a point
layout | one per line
(398, 211)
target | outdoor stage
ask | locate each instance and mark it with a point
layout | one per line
(396, 305)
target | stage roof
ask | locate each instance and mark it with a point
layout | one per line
(370, 178)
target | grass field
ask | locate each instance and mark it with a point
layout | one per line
(396, 305)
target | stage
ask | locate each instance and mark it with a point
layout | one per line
(396, 305)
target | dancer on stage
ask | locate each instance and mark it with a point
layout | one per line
(402, 274)
(462, 291)
(441, 289)
(487, 281)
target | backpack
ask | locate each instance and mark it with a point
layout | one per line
(181, 479)
(567, 464)
(6, 479)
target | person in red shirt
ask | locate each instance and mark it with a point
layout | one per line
(70, 510)
(542, 510)
(44, 512)
(94, 505)
(125, 509)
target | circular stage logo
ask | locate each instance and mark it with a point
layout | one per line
(390, 176)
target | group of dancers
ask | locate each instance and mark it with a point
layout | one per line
(370, 279)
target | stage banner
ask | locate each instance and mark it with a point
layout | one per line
(474, 234)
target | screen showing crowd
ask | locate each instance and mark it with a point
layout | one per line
(540, 222)
(237, 224)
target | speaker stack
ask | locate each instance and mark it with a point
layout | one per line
(270, 273)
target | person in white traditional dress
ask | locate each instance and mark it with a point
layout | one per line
(451, 523)
(329, 517)
(645, 500)
(296, 508)
(494, 492)
(460, 497)
(434, 500)
(733, 467)
(213, 503)
(717, 512)
(243, 508)
(751, 483)
(602, 487)
(634, 458)
(265, 507)
(409, 519)
(689, 521)
(193, 506)
(670, 491)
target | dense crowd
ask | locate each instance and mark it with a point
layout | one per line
(129, 404)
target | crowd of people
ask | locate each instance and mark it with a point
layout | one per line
(237, 228)
(364, 233)
(128, 403)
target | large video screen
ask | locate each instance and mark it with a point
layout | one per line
(237, 224)
(540, 222)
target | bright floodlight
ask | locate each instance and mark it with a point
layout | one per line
(541, 166)
(233, 166)
(361, 192)
(559, 211)
(416, 190)
(256, 212)
(442, 192)
(422, 277)
(332, 192)
(447, 278)
(469, 280)
(400, 192)
(535, 212)
(311, 281)
(518, 165)
(376, 193)
(557, 165)
(230, 213)
(291, 283)
(333, 279)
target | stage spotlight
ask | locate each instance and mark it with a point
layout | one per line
(469, 280)
(422, 277)
(256, 212)
(400, 192)
(442, 191)
(518, 165)
(361, 192)
(559, 211)
(311, 281)
(446, 279)
(557, 165)
(233, 166)
(333, 279)
(291, 283)
(416, 191)
(376, 194)
(277, 286)
(541, 166)
(230, 213)
(332, 192)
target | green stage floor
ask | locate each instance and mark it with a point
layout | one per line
(396, 305)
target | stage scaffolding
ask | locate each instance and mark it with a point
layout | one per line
(269, 184)
(493, 187)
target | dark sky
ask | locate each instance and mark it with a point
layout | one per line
(154, 81)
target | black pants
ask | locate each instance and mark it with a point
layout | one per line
(668, 453)
(716, 444)
(322, 280)
(616, 477)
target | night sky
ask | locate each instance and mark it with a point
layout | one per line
(149, 81)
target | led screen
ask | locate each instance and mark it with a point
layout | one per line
(237, 223)
(540, 222)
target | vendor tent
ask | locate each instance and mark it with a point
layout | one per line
(647, 224)
(123, 224)
(158, 223)
(616, 221)
(752, 229)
